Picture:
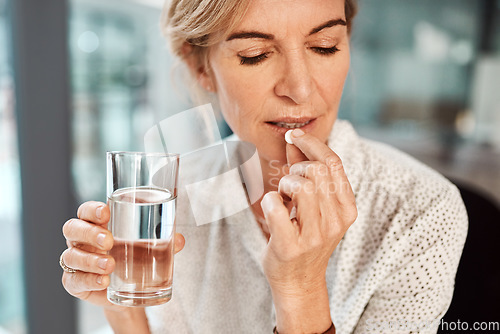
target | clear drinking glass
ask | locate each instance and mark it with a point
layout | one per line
(142, 192)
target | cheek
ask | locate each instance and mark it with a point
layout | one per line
(228, 95)
(335, 79)
(238, 100)
(330, 88)
(331, 83)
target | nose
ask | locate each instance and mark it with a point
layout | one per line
(295, 81)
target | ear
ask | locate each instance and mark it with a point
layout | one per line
(197, 68)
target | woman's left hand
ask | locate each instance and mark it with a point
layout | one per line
(298, 251)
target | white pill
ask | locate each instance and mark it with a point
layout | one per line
(288, 137)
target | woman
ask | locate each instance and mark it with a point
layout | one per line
(377, 236)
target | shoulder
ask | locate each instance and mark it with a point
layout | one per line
(417, 187)
(395, 192)
(409, 216)
(378, 168)
(398, 169)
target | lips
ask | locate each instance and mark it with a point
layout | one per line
(282, 125)
(290, 125)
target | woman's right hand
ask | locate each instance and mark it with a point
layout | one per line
(88, 241)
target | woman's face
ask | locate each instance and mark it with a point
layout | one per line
(282, 67)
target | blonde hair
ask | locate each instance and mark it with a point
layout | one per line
(201, 23)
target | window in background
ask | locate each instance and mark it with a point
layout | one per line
(425, 77)
(412, 65)
(12, 317)
(120, 84)
(417, 70)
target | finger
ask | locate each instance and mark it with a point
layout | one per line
(303, 194)
(95, 212)
(296, 187)
(330, 190)
(79, 231)
(80, 283)
(85, 247)
(315, 171)
(324, 184)
(315, 150)
(294, 155)
(88, 262)
(277, 217)
(180, 241)
(96, 297)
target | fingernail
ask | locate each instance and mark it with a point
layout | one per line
(99, 280)
(298, 133)
(101, 237)
(102, 263)
(266, 204)
(98, 212)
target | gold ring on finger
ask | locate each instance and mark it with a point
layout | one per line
(64, 266)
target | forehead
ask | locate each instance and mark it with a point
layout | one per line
(282, 16)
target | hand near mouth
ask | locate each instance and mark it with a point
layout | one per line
(298, 251)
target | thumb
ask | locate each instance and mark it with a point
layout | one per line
(179, 242)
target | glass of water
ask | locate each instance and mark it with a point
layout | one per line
(142, 192)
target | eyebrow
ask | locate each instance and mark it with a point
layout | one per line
(329, 24)
(260, 35)
(250, 34)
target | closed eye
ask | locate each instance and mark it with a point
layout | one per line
(325, 51)
(253, 60)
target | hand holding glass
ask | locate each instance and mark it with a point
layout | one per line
(142, 192)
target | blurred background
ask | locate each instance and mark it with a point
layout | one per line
(425, 77)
